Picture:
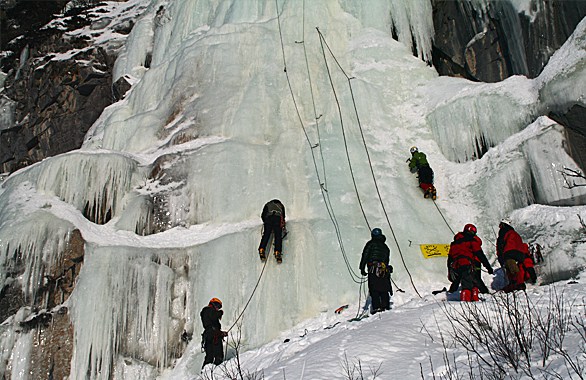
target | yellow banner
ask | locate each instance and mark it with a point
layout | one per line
(434, 250)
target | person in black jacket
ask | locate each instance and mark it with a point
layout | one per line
(273, 218)
(213, 336)
(375, 258)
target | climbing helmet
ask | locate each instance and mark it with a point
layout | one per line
(216, 302)
(470, 229)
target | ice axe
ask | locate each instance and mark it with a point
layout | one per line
(439, 291)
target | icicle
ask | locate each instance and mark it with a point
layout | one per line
(127, 311)
(413, 23)
(40, 248)
(94, 184)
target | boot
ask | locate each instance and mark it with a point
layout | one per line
(474, 295)
(261, 253)
(433, 193)
(278, 257)
(426, 193)
(465, 295)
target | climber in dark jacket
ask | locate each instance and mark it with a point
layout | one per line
(213, 335)
(273, 218)
(375, 264)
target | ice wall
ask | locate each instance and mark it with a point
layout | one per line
(217, 77)
(523, 170)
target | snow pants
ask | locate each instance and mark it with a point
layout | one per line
(272, 226)
(519, 269)
(482, 288)
(467, 277)
(379, 288)
(214, 348)
(425, 175)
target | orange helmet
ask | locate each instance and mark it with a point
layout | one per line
(216, 302)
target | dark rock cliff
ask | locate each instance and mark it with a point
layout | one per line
(493, 43)
(51, 101)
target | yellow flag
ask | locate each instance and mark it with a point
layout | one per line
(434, 250)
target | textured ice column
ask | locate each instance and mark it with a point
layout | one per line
(7, 107)
(547, 159)
(413, 23)
(122, 305)
(31, 240)
(466, 117)
(92, 183)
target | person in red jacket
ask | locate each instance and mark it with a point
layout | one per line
(465, 252)
(513, 255)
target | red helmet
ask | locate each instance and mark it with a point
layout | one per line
(470, 229)
(216, 302)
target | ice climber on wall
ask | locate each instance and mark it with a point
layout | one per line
(375, 258)
(273, 218)
(418, 163)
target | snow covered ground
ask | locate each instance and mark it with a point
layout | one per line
(215, 127)
(404, 343)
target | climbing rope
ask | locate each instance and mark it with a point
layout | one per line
(323, 189)
(249, 298)
(443, 217)
(324, 42)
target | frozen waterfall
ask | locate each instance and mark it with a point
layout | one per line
(245, 101)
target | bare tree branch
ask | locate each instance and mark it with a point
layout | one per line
(569, 175)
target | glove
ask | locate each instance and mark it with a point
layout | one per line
(363, 272)
(490, 271)
(224, 333)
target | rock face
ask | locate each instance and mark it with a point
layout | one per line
(56, 104)
(54, 100)
(52, 346)
(490, 44)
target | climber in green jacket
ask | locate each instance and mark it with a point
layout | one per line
(418, 163)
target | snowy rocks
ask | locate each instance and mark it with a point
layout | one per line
(489, 42)
(575, 121)
(59, 80)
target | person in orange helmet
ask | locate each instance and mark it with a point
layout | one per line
(213, 336)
